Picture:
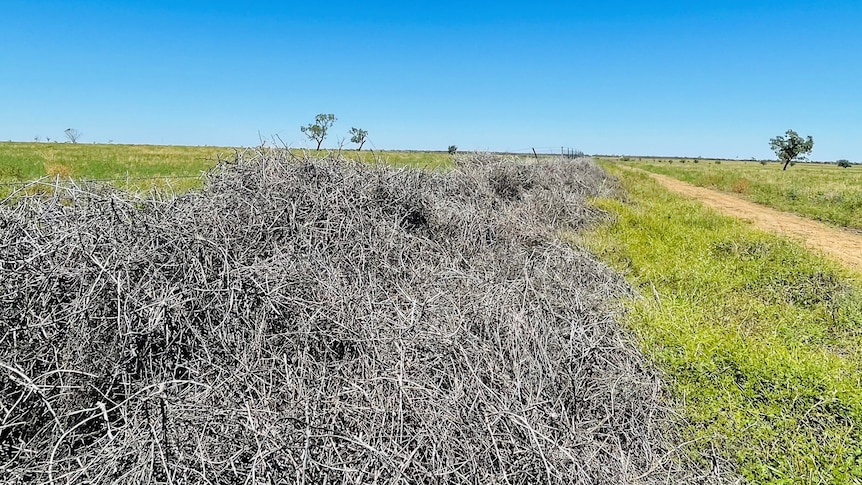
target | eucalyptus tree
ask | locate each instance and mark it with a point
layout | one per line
(317, 131)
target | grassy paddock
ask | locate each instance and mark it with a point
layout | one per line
(142, 167)
(177, 167)
(759, 339)
(824, 192)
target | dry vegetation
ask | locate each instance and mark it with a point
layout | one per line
(316, 321)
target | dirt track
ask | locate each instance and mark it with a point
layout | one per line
(844, 246)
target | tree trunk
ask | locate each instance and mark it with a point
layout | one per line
(360, 146)
(318, 144)
(786, 164)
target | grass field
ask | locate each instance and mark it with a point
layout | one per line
(760, 340)
(824, 192)
(136, 167)
(142, 167)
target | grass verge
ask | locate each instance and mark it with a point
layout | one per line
(759, 338)
(827, 193)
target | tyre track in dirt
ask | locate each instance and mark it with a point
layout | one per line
(841, 245)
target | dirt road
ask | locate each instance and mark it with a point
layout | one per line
(841, 245)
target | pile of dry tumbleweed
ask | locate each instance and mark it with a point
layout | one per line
(320, 321)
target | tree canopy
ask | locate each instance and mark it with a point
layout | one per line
(317, 131)
(358, 136)
(791, 147)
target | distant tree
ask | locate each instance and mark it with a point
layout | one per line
(73, 135)
(844, 163)
(317, 131)
(452, 149)
(358, 135)
(791, 148)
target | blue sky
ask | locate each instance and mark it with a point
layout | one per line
(688, 78)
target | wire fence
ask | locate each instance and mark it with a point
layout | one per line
(568, 152)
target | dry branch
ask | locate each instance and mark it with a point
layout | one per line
(311, 321)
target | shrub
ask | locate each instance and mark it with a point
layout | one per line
(741, 186)
(844, 163)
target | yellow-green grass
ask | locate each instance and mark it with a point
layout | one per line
(760, 340)
(825, 192)
(143, 167)
(418, 159)
(125, 165)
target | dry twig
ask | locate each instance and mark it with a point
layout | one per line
(318, 321)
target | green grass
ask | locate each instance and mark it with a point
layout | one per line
(161, 165)
(418, 159)
(759, 339)
(143, 167)
(824, 192)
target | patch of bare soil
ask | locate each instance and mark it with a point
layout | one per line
(842, 245)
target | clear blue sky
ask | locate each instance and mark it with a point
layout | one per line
(689, 78)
